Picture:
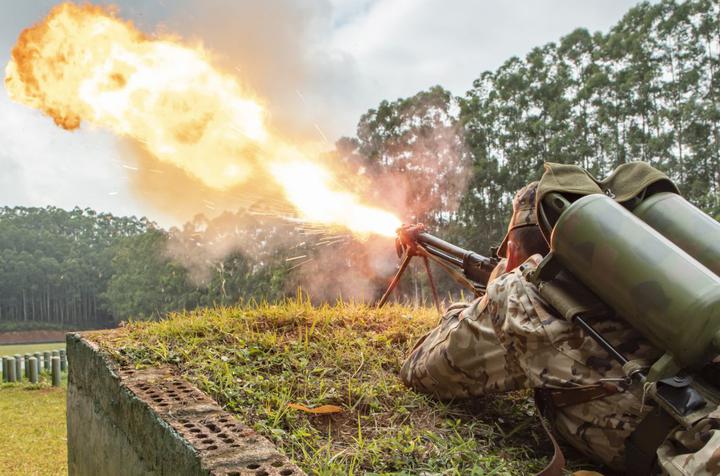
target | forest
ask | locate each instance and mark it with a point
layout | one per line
(646, 90)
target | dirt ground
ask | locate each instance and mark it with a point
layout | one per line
(31, 337)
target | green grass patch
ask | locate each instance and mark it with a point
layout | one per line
(10, 350)
(9, 326)
(33, 440)
(257, 359)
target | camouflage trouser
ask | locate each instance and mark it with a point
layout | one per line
(695, 451)
(507, 341)
(685, 452)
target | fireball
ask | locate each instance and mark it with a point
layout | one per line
(84, 64)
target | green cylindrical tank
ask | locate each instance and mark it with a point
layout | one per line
(658, 288)
(685, 225)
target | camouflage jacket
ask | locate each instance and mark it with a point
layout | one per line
(511, 339)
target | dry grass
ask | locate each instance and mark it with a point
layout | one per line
(33, 437)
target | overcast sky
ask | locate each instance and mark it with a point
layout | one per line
(319, 64)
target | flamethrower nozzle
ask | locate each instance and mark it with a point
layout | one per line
(407, 237)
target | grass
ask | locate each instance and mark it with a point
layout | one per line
(9, 326)
(33, 440)
(30, 348)
(257, 359)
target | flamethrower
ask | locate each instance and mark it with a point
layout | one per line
(467, 268)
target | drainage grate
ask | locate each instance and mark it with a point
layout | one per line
(226, 446)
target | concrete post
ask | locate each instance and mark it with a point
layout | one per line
(38, 359)
(4, 369)
(63, 360)
(56, 371)
(33, 370)
(46, 361)
(11, 369)
(18, 367)
(27, 365)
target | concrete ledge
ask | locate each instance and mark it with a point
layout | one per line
(123, 421)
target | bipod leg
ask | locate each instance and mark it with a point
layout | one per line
(436, 300)
(396, 279)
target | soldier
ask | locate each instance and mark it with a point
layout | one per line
(511, 339)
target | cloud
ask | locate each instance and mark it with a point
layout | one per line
(322, 63)
(403, 46)
(45, 165)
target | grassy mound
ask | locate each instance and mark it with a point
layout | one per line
(255, 360)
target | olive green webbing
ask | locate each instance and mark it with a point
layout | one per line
(627, 181)
(565, 179)
(630, 179)
(642, 444)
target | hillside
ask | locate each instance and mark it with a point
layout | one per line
(257, 359)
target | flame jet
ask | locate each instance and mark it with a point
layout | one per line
(83, 63)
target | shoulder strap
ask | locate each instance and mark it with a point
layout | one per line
(625, 182)
(629, 179)
(557, 463)
(563, 178)
(642, 445)
(548, 399)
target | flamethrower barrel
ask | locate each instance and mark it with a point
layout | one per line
(475, 266)
(467, 268)
(444, 246)
(444, 256)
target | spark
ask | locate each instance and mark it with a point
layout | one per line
(324, 138)
(300, 264)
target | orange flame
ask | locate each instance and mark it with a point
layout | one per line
(82, 63)
(307, 186)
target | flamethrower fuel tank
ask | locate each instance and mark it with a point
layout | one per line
(649, 281)
(685, 225)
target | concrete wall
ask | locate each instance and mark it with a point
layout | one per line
(123, 421)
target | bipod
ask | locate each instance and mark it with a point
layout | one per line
(409, 251)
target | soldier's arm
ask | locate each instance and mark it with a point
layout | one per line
(462, 357)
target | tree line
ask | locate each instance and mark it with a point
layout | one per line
(56, 264)
(646, 90)
(81, 268)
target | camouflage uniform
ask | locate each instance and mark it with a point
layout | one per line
(511, 339)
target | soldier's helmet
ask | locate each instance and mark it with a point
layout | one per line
(523, 213)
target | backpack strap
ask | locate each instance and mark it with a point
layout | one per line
(641, 447)
(557, 463)
(548, 399)
(576, 395)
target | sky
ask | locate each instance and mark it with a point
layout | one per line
(317, 64)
